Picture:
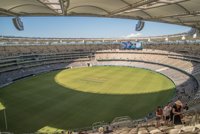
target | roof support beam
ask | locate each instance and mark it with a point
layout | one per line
(180, 21)
(167, 4)
(126, 2)
(10, 13)
(47, 6)
(131, 7)
(177, 15)
(146, 13)
(65, 4)
(10, 9)
(62, 6)
(90, 6)
(187, 11)
(191, 21)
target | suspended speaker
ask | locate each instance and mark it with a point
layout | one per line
(139, 26)
(18, 23)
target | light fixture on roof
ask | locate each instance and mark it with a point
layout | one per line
(149, 39)
(166, 39)
(183, 38)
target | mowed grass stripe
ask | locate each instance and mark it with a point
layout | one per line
(39, 101)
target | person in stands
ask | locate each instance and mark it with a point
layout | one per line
(108, 130)
(63, 132)
(176, 114)
(186, 107)
(101, 130)
(159, 115)
(166, 113)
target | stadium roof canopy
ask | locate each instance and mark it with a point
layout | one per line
(182, 12)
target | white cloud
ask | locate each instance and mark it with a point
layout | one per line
(133, 35)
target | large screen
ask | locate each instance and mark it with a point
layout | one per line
(138, 45)
(132, 45)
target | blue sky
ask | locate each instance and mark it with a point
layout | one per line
(84, 27)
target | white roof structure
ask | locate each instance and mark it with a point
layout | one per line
(181, 12)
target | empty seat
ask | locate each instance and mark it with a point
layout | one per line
(155, 131)
(174, 131)
(188, 129)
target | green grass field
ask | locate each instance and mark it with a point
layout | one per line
(76, 98)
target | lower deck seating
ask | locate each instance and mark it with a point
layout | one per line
(189, 126)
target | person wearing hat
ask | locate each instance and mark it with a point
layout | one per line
(176, 112)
